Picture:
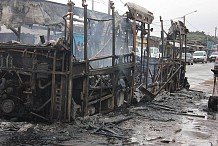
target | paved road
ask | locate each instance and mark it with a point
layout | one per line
(200, 76)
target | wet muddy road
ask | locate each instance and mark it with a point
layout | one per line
(200, 76)
(172, 119)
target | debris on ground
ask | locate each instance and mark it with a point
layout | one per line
(161, 121)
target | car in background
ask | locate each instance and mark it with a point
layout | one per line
(200, 56)
(216, 64)
(213, 56)
(189, 58)
(155, 52)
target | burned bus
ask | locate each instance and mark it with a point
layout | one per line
(88, 70)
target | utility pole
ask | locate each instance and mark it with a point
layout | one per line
(185, 37)
(92, 5)
(215, 35)
(109, 7)
(188, 14)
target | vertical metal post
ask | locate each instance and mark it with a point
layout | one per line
(180, 45)
(185, 48)
(162, 38)
(70, 81)
(215, 35)
(109, 7)
(141, 55)
(19, 34)
(53, 90)
(134, 38)
(92, 5)
(162, 47)
(174, 40)
(134, 50)
(48, 34)
(111, 4)
(85, 5)
(113, 33)
(148, 55)
(86, 80)
(180, 58)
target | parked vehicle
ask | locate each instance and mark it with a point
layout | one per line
(200, 56)
(189, 58)
(154, 52)
(213, 56)
(216, 64)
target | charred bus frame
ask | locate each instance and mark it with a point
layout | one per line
(50, 83)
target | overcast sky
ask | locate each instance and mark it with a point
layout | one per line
(205, 19)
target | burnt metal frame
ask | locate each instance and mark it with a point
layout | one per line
(119, 62)
(63, 100)
(168, 72)
(32, 70)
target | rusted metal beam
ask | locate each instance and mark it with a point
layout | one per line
(48, 34)
(148, 55)
(53, 90)
(113, 32)
(141, 57)
(86, 79)
(70, 81)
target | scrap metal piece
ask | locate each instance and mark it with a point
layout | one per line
(146, 92)
(143, 15)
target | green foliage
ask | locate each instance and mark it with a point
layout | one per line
(200, 37)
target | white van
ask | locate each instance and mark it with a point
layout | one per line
(200, 56)
(154, 52)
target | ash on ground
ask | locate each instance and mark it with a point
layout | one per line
(179, 118)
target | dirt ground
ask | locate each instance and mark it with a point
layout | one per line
(173, 119)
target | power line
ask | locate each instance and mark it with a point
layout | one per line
(170, 19)
(192, 25)
(122, 2)
(159, 25)
(100, 2)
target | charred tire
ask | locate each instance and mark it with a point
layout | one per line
(7, 106)
(212, 103)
